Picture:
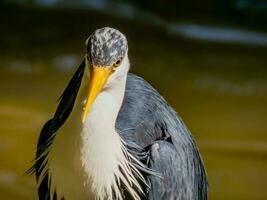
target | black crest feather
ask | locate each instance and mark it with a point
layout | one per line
(66, 103)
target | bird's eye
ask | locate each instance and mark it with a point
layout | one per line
(117, 63)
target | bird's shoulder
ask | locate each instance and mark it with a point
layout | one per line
(144, 113)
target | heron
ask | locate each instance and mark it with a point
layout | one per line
(113, 136)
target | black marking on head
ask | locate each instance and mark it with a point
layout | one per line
(105, 46)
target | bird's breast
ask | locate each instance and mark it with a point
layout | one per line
(84, 158)
(67, 174)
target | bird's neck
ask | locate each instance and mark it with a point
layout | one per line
(103, 155)
(97, 153)
(107, 105)
(100, 144)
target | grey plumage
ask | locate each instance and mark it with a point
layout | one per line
(152, 131)
(151, 128)
(154, 134)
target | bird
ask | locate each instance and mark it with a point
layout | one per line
(113, 136)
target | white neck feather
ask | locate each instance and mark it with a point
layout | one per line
(99, 151)
(103, 154)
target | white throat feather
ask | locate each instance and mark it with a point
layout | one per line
(99, 156)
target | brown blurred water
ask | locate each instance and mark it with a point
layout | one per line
(220, 91)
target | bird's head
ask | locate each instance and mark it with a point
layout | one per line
(107, 59)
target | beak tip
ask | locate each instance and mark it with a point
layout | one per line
(83, 119)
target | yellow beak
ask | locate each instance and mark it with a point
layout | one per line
(98, 79)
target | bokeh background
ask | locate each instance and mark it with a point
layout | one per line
(207, 58)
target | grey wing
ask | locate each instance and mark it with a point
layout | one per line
(165, 160)
(158, 138)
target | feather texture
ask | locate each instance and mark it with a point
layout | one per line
(159, 144)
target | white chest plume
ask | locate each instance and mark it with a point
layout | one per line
(99, 160)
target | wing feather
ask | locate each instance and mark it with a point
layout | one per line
(145, 122)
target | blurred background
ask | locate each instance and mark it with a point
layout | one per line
(207, 58)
